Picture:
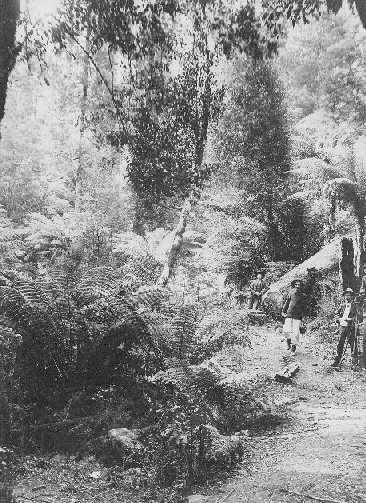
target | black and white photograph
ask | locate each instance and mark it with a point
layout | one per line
(182, 251)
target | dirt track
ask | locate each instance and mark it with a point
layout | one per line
(320, 455)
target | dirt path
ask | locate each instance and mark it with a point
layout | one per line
(320, 455)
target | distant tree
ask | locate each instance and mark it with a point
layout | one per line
(147, 38)
(335, 6)
(323, 66)
(254, 140)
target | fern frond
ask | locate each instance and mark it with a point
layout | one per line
(29, 291)
(195, 378)
(60, 279)
(10, 299)
(149, 296)
(99, 281)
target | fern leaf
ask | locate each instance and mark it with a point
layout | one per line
(149, 296)
(99, 281)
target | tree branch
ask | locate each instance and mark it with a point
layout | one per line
(88, 54)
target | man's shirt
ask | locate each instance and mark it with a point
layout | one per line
(343, 320)
(346, 310)
(257, 286)
(295, 305)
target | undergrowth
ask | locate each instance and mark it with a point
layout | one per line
(107, 364)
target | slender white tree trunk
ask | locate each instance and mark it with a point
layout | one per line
(81, 160)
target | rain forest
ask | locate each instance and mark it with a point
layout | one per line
(156, 157)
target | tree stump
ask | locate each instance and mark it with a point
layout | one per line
(287, 372)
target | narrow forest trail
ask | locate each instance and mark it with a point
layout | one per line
(320, 453)
(317, 454)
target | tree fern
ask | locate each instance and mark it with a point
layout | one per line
(184, 330)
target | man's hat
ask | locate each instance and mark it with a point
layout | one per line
(348, 290)
(296, 281)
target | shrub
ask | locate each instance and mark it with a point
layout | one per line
(198, 411)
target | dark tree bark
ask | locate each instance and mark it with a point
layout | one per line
(349, 279)
(361, 9)
(9, 13)
(6, 482)
(202, 119)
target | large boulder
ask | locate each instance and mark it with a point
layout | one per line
(123, 444)
(126, 439)
(326, 260)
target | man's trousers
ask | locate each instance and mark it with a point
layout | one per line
(345, 333)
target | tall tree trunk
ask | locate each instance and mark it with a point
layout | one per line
(6, 482)
(138, 218)
(347, 264)
(202, 119)
(9, 13)
(80, 168)
(174, 242)
(360, 248)
(201, 130)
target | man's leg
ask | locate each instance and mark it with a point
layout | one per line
(353, 341)
(343, 333)
(251, 301)
(295, 335)
(259, 301)
(287, 329)
(255, 302)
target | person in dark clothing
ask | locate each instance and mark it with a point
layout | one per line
(347, 312)
(293, 311)
(256, 291)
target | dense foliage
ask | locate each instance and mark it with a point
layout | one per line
(141, 137)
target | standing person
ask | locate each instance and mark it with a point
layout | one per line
(256, 291)
(293, 311)
(347, 311)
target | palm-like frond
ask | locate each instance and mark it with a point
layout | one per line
(149, 296)
(99, 281)
(347, 191)
(184, 377)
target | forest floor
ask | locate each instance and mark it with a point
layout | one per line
(318, 453)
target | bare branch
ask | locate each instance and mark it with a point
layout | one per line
(88, 54)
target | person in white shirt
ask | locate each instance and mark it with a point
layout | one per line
(346, 317)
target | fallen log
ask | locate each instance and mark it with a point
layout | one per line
(287, 372)
(53, 425)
